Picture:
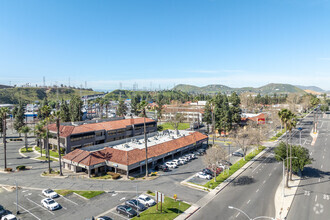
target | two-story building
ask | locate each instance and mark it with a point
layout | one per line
(78, 135)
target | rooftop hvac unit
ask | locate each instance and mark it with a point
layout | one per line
(126, 146)
(172, 137)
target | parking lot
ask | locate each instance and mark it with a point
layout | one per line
(73, 206)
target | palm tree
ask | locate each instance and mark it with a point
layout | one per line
(57, 116)
(291, 123)
(106, 102)
(284, 117)
(142, 108)
(101, 104)
(39, 131)
(4, 111)
(25, 130)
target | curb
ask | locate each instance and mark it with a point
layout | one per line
(80, 196)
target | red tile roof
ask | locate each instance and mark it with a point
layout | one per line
(66, 130)
(134, 156)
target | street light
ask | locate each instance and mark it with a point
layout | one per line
(300, 129)
(241, 211)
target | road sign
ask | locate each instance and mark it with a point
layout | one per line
(159, 196)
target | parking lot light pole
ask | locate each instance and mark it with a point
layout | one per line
(17, 211)
(300, 129)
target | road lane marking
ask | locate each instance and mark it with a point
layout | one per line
(238, 214)
(319, 179)
(27, 211)
(323, 157)
(68, 200)
(321, 166)
(257, 190)
(122, 199)
(270, 174)
(264, 182)
(261, 163)
(315, 198)
(40, 206)
(248, 201)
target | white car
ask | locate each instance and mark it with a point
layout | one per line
(171, 165)
(9, 217)
(182, 161)
(186, 159)
(146, 200)
(49, 193)
(177, 162)
(203, 175)
(192, 155)
(50, 204)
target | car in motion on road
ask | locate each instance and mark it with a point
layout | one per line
(136, 205)
(146, 200)
(50, 193)
(237, 154)
(203, 175)
(50, 204)
(9, 217)
(126, 210)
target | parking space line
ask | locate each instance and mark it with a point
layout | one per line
(46, 197)
(120, 215)
(69, 200)
(238, 214)
(27, 211)
(40, 206)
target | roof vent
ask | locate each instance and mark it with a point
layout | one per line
(126, 146)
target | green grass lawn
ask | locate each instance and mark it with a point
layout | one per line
(44, 158)
(278, 134)
(167, 125)
(104, 177)
(170, 210)
(86, 194)
(52, 153)
(23, 150)
(233, 168)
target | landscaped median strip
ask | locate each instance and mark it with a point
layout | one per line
(171, 208)
(84, 194)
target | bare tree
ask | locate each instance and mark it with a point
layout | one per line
(245, 138)
(176, 120)
(293, 100)
(213, 156)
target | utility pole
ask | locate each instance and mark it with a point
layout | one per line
(4, 139)
(58, 143)
(17, 211)
(145, 139)
(213, 126)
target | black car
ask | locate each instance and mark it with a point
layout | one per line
(126, 210)
(208, 171)
(136, 205)
(2, 211)
(162, 167)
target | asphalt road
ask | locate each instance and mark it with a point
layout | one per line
(312, 200)
(254, 190)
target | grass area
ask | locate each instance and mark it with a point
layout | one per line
(86, 194)
(236, 166)
(170, 210)
(23, 150)
(44, 158)
(279, 134)
(167, 125)
(52, 153)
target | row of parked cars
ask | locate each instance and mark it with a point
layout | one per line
(184, 159)
(133, 206)
(208, 173)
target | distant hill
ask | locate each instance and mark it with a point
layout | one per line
(312, 88)
(32, 94)
(4, 86)
(267, 89)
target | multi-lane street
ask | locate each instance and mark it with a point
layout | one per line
(254, 190)
(312, 200)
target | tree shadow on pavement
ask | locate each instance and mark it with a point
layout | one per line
(243, 180)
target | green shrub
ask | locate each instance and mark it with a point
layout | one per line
(149, 192)
(114, 175)
(132, 178)
(21, 167)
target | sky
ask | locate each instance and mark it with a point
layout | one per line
(162, 43)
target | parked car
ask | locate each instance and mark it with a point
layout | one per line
(208, 171)
(136, 205)
(171, 165)
(126, 210)
(203, 175)
(9, 217)
(182, 160)
(50, 204)
(201, 151)
(162, 168)
(192, 155)
(49, 193)
(103, 218)
(2, 211)
(146, 200)
(237, 154)
(188, 156)
(177, 162)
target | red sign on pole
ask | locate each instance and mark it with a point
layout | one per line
(261, 121)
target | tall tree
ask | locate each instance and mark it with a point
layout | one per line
(75, 108)
(235, 108)
(142, 108)
(121, 109)
(19, 119)
(57, 118)
(64, 111)
(135, 100)
(106, 103)
(39, 131)
(4, 112)
(25, 130)
(160, 106)
(223, 117)
(213, 156)
(208, 115)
